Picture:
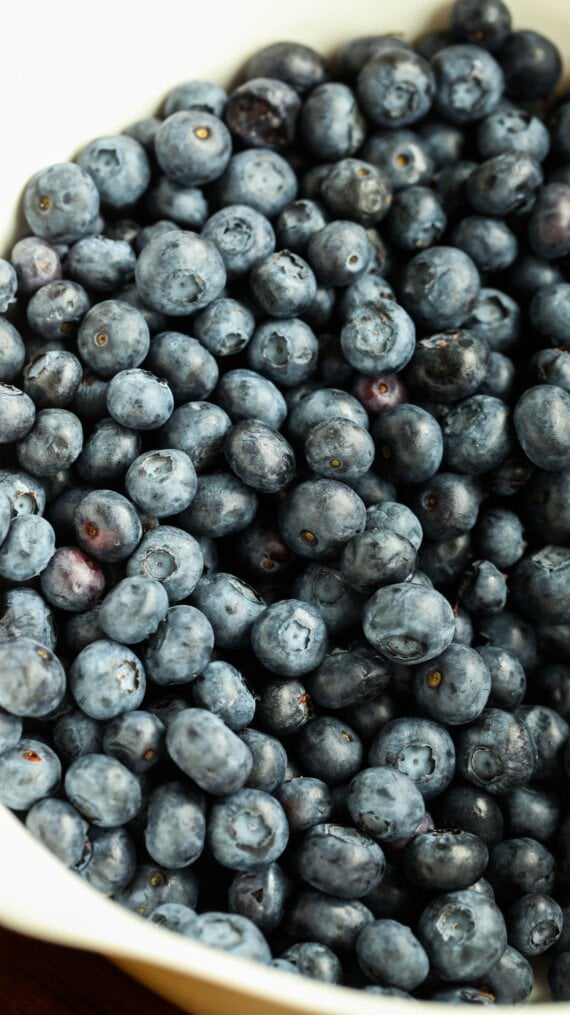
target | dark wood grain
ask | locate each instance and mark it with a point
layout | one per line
(42, 979)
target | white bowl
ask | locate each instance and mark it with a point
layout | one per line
(71, 73)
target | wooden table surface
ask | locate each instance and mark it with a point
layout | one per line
(41, 979)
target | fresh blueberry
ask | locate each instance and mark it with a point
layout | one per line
(119, 167)
(224, 328)
(113, 336)
(262, 179)
(408, 623)
(72, 580)
(209, 752)
(245, 394)
(468, 83)
(171, 556)
(180, 648)
(419, 748)
(247, 830)
(192, 147)
(29, 771)
(396, 87)
(390, 953)
(103, 790)
(179, 272)
(439, 288)
(61, 203)
(260, 896)
(463, 933)
(175, 826)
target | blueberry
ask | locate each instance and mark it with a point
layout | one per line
(260, 896)
(108, 452)
(417, 219)
(389, 952)
(113, 336)
(558, 977)
(59, 827)
(357, 190)
(231, 933)
(496, 752)
(463, 933)
(445, 860)
(339, 861)
(331, 122)
(298, 65)
(521, 867)
(197, 428)
(306, 801)
(133, 609)
(224, 328)
(289, 638)
(247, 830)
(171, 556)
(379, 337)
(231, 606)
(534, 924)
(75, 734)
(269, 760)
(119, 168)
(52, 378)
(175, 826)
(542, 418)
(72, 580)
(181, 646)
(477, 434)
(474, 810)
(347, 677)
(34, 679)
(222, 504)
(61, 203)
(18, 413)
(27, 549)
(192, 147)
(402, 156)
(327, 920)
(136, 739)
(260, 178)
(261, 457)
(283, 706)
(245, 394)
(396, 87)
(35, 262)
(355, 52)
(447, 505)
(184, 206)
(439, 288)
(103, 790)
(408, 623)
(221, 689)
(174, 916)
(385, 804)
(324, 403)
(285, 350)
(508, 678)
(241, 233)
(12, 351)
(106, 679)
(511, 979)
(486, 23)
(315, 960)
(418, 748)
(179, 273)
(319, 516)
(468, 83)
(153, 885)
(29, 771)
(107, 525)
(208, 752)
(101, 263)
(531, 64)
(410, 443)
(513, 129)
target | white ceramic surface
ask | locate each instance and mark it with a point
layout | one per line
(71, 72)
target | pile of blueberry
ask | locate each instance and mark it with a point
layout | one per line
(285, 513)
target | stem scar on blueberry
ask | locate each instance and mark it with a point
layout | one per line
(202, 133)
(91, 530)
(335, 463)
(434, 678)
(45, 202)
(268, 564)
(309, 537)
(402, 159)
(43, 654)
(101, 338)
(31, 756)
